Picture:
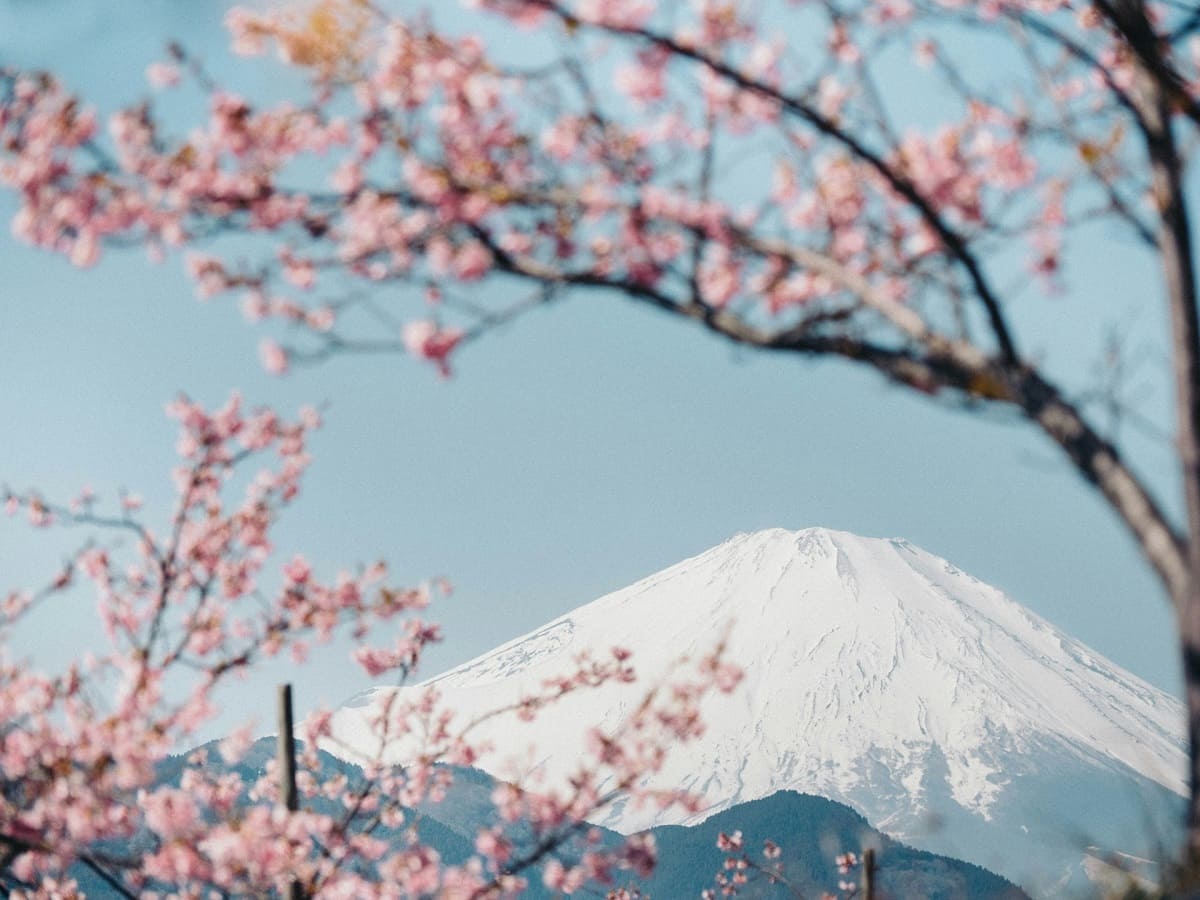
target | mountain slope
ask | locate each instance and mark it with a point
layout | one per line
(810, 831)
(877, 675)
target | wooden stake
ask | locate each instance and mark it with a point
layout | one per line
(868, 874)
(287, 766)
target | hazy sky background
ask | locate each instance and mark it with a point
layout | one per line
(579, 450)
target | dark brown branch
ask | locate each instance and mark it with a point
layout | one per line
(1081, 53)
(954, 243)
(931, 363)
(1130, 20)
(1101, 464)
(1155, 100)
(1158, 93)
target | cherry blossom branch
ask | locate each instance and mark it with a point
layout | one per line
(955, 244)
(1129, 18)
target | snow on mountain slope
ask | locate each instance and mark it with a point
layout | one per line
(878, 675)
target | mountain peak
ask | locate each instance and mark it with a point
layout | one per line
(811, 543)
(811, 538)
(877, 674)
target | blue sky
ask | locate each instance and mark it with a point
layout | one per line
(574, 452)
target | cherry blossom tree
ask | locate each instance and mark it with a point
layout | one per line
(184, 610)
(760, 170)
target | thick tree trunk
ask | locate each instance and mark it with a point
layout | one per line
(1189, 635)
(1155, 98)
(1175, 249)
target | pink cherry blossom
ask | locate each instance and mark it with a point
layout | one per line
(425, 339)
(162, 75)
(274, 358)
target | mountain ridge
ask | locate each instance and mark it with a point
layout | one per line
(811, 830)
(878, 675)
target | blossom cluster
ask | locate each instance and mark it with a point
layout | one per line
(83, 750)
(80, 748)
(740, 868)
(442, 166)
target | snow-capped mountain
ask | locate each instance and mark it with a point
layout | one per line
(877, 675)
